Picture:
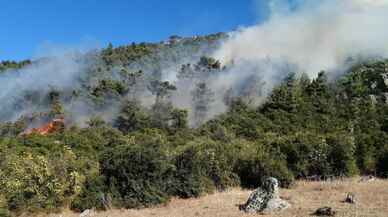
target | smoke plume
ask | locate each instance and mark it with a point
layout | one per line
(24, 91)
(302, 37)
(314, 36)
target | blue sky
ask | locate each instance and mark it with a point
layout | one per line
(27, 26)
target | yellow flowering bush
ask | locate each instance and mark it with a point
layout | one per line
(35, 181)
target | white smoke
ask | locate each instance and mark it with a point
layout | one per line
(303, 37)
(308, 36)
(37, 80)
(317, 35)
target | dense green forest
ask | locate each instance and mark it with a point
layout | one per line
(146, 154)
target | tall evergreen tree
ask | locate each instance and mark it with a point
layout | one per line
(202, 97)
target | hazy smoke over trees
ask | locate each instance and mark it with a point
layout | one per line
(316, 35)
(307, 37)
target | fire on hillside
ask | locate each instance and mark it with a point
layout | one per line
(53, 126)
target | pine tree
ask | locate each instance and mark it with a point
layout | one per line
(203, 97)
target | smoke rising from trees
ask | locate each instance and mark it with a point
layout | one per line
(307, 38)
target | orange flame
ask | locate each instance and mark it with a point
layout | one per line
(51, 127)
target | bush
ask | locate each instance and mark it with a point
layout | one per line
(256, 162)
(306, 154)
(342, 155)
(3, 207)
(382, 165)
(188, 179)
(202, 167)
(138, 174)
(35, 181)
(93, 195)
(4, 212)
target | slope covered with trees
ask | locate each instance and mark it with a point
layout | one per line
(147, 153)
(6, 65)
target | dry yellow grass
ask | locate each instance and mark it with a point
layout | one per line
(305, 197)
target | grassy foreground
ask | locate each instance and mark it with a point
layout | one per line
(305, 197)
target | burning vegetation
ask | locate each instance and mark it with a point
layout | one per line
(53, 126)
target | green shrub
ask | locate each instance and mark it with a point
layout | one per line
(93, 195)
(256, 162)
(342, 155)
(202, 167)
(382, 165)
(3, 207)
(188, 179)
(34, 181)
(4, 212)
(306, 154)
(138, 174)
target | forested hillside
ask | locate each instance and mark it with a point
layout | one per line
(6, 65)
(135, 134)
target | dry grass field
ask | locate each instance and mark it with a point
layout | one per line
(305, 197)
